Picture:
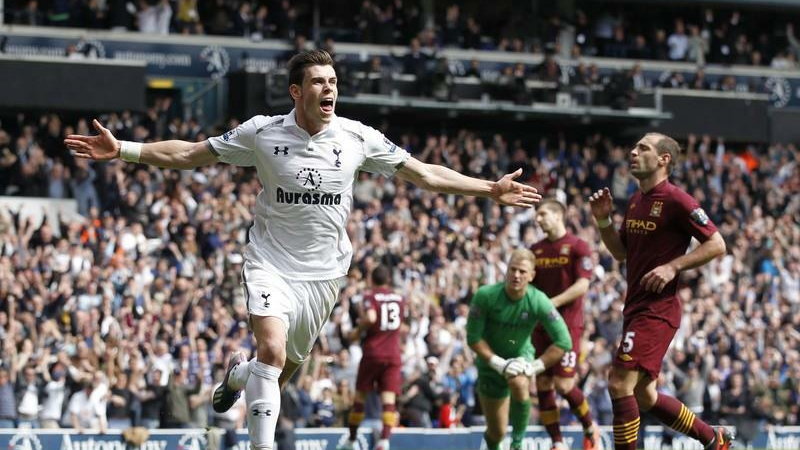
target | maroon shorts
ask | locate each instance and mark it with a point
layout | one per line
(568, 366)
(645, 340)
(379, 375)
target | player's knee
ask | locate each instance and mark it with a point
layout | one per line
(272, 352)
(519, 386)
(564, 385)
(617, 387)
(646, 396)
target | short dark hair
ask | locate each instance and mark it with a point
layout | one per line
(381, 275)
(666, 144)
(553, 203)
(297, 65)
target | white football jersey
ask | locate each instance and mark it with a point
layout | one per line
(307, 181)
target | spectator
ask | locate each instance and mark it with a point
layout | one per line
(617, 47)
(324, 409)
(54, 394)
(154, 19)
(176, 412)
(660, 45)
(263, 27)
(30, 15)
(421, 399)
(8, 401)
(697, 46)
(119, 403)
(87, 407)
(735, 401)
(343, 369)
(453, 28)
(678, 42)
(699, 81)
(243, 20)
(640, 49)
(28, 391)
(151, 396)
(188, 17)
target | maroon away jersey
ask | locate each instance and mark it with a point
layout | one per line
(559, 264)
(383, 338)
(658, 227)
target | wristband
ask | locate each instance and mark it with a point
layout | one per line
(130, 151)
(604, 223)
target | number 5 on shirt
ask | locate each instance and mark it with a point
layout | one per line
(627, 341)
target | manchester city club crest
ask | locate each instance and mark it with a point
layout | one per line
(655, 210)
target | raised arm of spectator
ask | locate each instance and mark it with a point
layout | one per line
(602, 206)
(793, 42)
(442, 179)
(366, 318)
(172, 154)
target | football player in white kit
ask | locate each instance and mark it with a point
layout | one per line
(299, 251)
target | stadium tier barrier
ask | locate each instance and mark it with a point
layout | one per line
(772, 438)
(213, 57)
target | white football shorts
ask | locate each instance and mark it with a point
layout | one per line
(303, 306)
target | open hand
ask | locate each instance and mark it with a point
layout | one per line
(102, 147)
(508, 192)
(601, 203)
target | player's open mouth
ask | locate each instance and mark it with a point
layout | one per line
(326, 105)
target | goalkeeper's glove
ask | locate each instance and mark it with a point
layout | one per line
(509, 368)
(531, 369)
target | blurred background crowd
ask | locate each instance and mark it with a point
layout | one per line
(127, 314)
(664, 32)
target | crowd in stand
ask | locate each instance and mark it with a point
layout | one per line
(698, 35)
(127, 315)
(670, 33)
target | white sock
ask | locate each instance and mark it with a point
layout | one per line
(263, 396)
(239, 375)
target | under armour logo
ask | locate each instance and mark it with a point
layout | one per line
(261, 412)
(285, 150)
(266, 299)
(337, 153)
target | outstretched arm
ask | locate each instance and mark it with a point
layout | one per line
(172, 154)
(438, 178)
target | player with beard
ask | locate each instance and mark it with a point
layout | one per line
(657, 227)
